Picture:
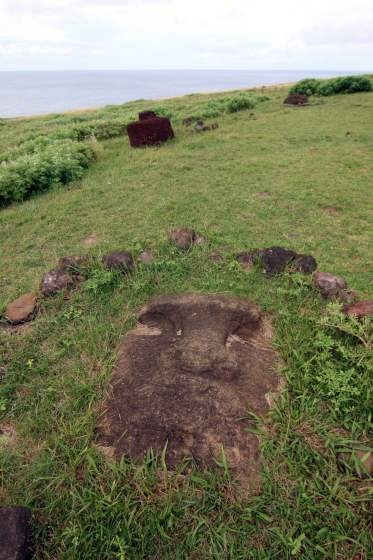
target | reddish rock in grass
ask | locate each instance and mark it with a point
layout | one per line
(216, 256)
(119, 260)
(22, 309)
(149, 132)
(296, 99)
(55, 281)
(144, 115)
(360, 309)
(182, 238)
(15, 533)
(247, 258)
(329, 285)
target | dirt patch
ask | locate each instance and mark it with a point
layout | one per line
(331, 210)
(186, 377)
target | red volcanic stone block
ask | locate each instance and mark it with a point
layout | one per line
(144, 115)
(149, 132)
(296, 99)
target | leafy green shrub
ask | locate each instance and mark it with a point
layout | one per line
(240, 102)
(334, 86)
(308, 86)
(60, 162)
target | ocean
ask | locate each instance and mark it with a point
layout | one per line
(33, 93)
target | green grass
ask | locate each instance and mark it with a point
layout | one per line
(87, 507)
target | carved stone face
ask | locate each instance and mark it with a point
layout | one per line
(186, 377)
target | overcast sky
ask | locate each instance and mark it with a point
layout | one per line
(153, 34)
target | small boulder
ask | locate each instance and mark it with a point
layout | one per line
(22, 309)
(329, 285)
(146, 257)
(247, 258)
(360, 309)
(187, 121)
(276, 259)
(119, 260)
(144, 115)
(15, 533)
(182, 238)
(297, 99)
(72, 263)
(305, 263)
(149, 132)
(200, 126)
(55, 281)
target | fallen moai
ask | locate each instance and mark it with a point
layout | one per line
(185, 376)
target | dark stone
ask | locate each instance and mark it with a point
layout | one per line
(187, 121)
(144, 115)
(329, 285)
(276, 259)
(298, 99)
(182, 238)
(119, 260)
(72, 263)
(149, 132)
(360, 309)
(305, 263)
(186, 376)
(55, 281)
(201, 127)
(15, 534)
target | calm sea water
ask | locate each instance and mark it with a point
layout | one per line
(32, 93)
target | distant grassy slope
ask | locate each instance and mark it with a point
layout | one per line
(301, 178)
(308, 159)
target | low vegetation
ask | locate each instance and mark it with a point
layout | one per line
(296, 177)
(334, 86)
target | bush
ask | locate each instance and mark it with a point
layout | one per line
(334, 86)
(59, 163)
(309, 86)
(240, 102)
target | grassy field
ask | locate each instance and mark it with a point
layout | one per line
(296, 177)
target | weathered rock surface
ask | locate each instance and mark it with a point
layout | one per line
(144, 115)
(276, 259)
(119, 260)
(55, 281)
(185, 376)
(15, 534)
(182, 238)
(360, 309)
(72, 263)
(296, 99)
(22, 309)
(329, 285)
(146, 257)
(305, 263)
(149, 132)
